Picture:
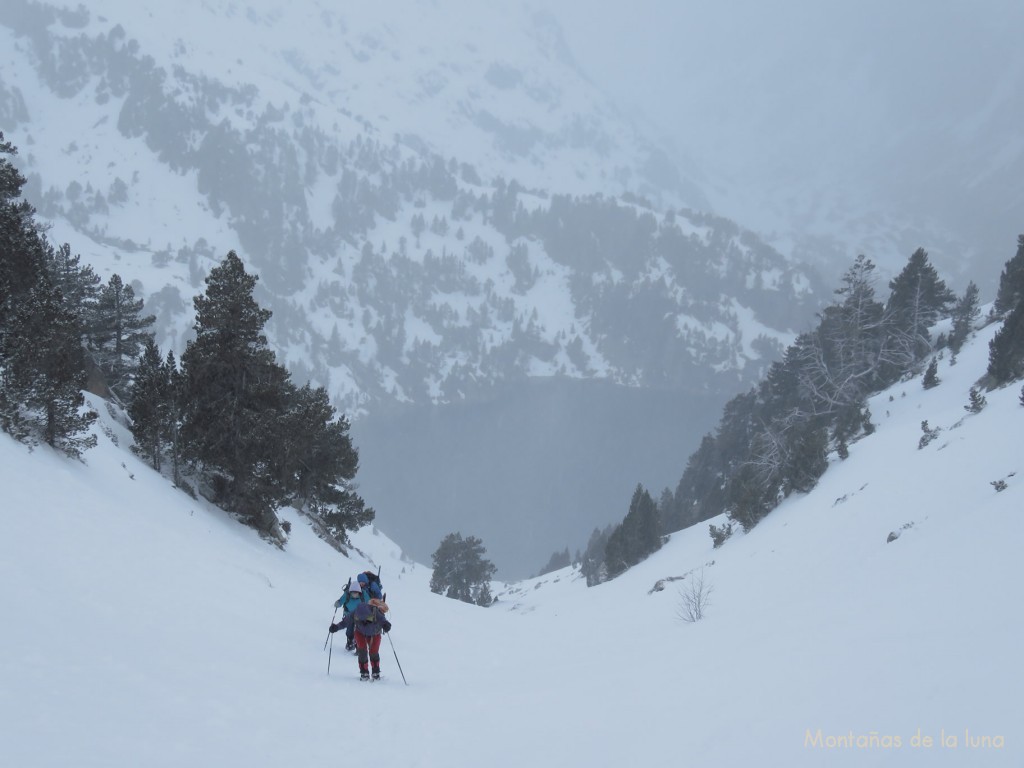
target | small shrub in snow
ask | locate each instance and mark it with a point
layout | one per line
(976, 401)
(694, 599)
(719, 534)
(929, 434)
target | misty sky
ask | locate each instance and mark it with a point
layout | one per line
(688, 65)
(908, 104)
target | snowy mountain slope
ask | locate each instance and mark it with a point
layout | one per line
(496, 87)
(441, 210)
(143, 628)
(363, 165)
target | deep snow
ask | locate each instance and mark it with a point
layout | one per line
(143, 628)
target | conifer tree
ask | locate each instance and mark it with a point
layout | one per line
(78, 283)
(148, 405)
(461, 571)
(557, 561)
(44, 373)
(748, 499)
(1011, 282)
(235, 393)
(976, 401)
(1006, 350)
(22, 248)
(317, 462)
(119, 334)
(22, 269)
(806, 456)
(592, 561)
(637, 537)
(848, 354)
(918, 299)
(175, 405)
(965, 314)
(931, 375)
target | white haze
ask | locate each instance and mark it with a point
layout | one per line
(839, 128)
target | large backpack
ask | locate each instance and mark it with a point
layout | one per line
(373, 584)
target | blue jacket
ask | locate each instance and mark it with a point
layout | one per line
(368, 620)
(349, 602)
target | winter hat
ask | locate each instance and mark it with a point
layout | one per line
(363, 578)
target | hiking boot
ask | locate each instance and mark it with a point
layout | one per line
(376, 674)
(364, 675)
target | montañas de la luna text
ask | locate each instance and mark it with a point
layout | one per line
(877, 740)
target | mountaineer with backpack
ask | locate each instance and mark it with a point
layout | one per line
(370, 581)
(369, 623)
(353, 597)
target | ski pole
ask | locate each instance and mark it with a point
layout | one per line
(329, 633)
(330, 636)
(396, 657)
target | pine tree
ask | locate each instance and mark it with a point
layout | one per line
(965, 314)
(927, 435)
(720, 534)
(22, 247)
(80, 286)
(1011, 282)
(918, 299)
(637, 537)
(931, 375)
(592, 561)
(847, 355)
(461, 571)
(235, 394)
(119, 333)
(148, 405)
(44, 373)
(23, 254)
(174, 416)
(1006, 350)
(317, 462)
(747, 498)
(42, 368)
(557, 561)
(976, 401)
(807, 456)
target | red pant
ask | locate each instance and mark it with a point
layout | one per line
(368, 645)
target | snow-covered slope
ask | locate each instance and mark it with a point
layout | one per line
(442, 211)
(388, 172)
(494, 86)
(144, 628)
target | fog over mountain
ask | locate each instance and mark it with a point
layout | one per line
(832, 128)
(530, 250)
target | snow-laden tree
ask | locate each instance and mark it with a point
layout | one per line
(118, 334)
(461, 571)
(235, 394)
(918, 299)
